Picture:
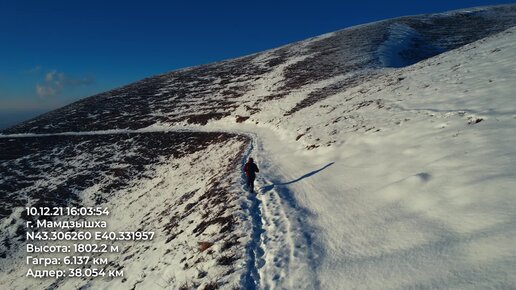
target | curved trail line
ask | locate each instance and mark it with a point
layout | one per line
(254, 252)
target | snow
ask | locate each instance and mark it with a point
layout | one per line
(160, 199)
(427, 202)
(402, 177)
(405, 46)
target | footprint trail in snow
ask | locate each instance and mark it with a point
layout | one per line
(280, 253)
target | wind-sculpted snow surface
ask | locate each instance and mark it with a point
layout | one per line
(426, 202)
(386, 155)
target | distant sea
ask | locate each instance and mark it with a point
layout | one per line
(8, 119)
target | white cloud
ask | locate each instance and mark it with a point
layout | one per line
(56, 81)
(50, 76)
(46, 90)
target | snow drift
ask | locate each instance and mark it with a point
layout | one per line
(386, 156)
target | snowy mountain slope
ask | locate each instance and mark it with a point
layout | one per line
(419, 203)
(428, 201)
(408, 182)
(149, 181)
(288, 79)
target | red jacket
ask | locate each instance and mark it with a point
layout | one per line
(250, 169)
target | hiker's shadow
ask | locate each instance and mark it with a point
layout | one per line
(271, 186)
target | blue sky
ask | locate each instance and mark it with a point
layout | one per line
(55, 52)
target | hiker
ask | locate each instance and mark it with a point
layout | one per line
(250, 170)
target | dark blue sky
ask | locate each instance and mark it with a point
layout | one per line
(55, 52)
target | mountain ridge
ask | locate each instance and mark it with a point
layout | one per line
(237, 74)
(370, 176)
